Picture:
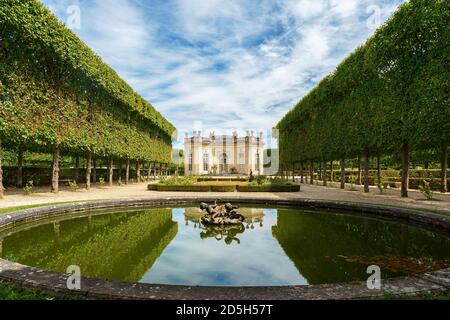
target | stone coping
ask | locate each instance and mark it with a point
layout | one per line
(55, 283)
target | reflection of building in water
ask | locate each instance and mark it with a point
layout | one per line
(253, 217)
(116, 246)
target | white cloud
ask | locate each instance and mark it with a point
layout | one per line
(240, 64)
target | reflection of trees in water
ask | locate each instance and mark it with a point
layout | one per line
(114, 246)
(316, 242)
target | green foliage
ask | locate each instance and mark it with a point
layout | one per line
(382, 186)
(181, 181)
(101, 181)
(391, 90)
(55, 91)
(28, 189)
(225, 188)
(352, 181)
(13, 292)
(426, 190)
(73, 185)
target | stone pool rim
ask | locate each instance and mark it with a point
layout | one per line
(55, 283)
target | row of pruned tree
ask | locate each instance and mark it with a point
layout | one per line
(389, 96)
(57, 95)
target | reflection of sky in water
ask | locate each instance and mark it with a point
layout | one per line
(257, 261)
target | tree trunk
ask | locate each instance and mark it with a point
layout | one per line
(302, 173)
(366, 171)
(320, 171)
(343, 173)
(405, 170)
(293, 172)
(76, 173)
(94, 170)
(138, 171)
(110, 172)
(359, 182)
(154, 171)
(20, 168)
(88, 170)
(331, 171)
(379, 169)
(311, 173)
(444, 169)
(127, 172)
(55, 170)
(149, 170)
(120, 170)
(324, 174)
(1, 172)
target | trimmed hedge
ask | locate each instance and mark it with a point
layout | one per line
(270, 188)
(227, 188)
(389, 96)
(222, 180)
(224, 188)
(56, 92)
(179, 188)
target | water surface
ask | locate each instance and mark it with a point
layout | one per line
(275, 246)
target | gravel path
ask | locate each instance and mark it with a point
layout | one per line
(16, 198)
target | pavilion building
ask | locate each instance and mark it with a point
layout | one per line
(223, 154)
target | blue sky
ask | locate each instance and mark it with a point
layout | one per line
(224, 64)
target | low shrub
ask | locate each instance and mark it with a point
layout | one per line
(224, 188)
(28, 189)
(269, 188)
(183, 181)
(426, 190)
(73, 185)
(180, 188)
(231, 179)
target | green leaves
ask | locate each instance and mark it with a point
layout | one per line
(49, 78)
(392, 89)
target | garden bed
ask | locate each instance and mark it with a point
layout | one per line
(224, 188)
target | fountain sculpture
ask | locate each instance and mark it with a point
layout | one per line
(220, 215)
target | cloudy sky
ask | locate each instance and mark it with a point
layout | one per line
(224, 64)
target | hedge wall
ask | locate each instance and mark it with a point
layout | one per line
(55, 92)
(389, 96)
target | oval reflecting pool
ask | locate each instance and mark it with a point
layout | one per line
(274, 246)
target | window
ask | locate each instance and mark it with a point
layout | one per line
(223, 163)
(257, 161)
(190, 162)
(224, 159)
(206, 162)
